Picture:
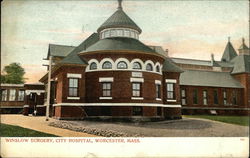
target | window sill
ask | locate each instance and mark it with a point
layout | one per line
(137, 98)
(105, 98)
(159, 99)
(170, 100)
(73, 98)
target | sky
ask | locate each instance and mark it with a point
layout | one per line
(188, 29)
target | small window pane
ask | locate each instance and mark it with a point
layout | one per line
(119, 32)
(149, 67)
(21, 95)
(136, 65)
(113, 33)
(93, 66)
(4, 94)
(122, 65)
(12, 95)
(126, 33)
(157, 68)
(106, 34)
(107, 65)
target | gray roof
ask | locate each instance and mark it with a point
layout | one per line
(73, 57)
(229, 53)
(119, 19)
(208, 78)
(241, 64)
(201, 62)
(158, 49)
(169, 66)
(59, 50)
(119, 43)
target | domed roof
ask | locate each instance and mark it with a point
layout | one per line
(119, 19)
(118, 43)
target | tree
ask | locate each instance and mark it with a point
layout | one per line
(13, 73)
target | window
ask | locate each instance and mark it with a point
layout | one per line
(183, 97)
(158, 90)
(137, 111)
(113, 33)
(204, 97)
(126, 33)
(4, 94)
(107, 65)
(119, 32)
(215, 97)
(12, 95)
(195, 96)
(132, 34)
(93, 66)
(106, 89)
(149, 67)
(225, 97)
(106, 34)
(20, 95)
(136, 65)
(234, 98)
(170, 91)
(122, 65)
(136, 89)
(73, 87)
(157, 68)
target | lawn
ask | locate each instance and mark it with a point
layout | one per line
(16, 131)
(239, 120)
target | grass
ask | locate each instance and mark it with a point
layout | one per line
(238, 120)
(16, 131)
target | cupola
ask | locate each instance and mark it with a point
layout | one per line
(119, 25)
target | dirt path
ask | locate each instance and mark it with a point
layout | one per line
(39, 124)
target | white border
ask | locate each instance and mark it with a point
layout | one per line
(136, 79)
(106, 79)
(71, 75)
(73, 98)
(119, 104)
(171, 80)
(137, 98)
(38, 92)
(103, 98)
(158, 82)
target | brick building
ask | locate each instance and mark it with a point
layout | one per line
(22, 98)
(112, 75)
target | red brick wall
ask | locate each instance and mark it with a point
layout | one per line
(63, 84)
(189, 95)
(245, 81)
(176, 76)
(121, 87)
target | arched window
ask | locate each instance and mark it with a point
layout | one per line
(122, 65)
(136, 65)
(149, 67)
(107, 65)
(158, 68)
(93, 66)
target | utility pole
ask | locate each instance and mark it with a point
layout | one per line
(48, 89)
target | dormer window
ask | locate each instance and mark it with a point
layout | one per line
(136, 65)
(93, 66)
(107, 65)
(149, 67)
(122, 65)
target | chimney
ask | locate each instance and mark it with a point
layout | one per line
(212, 59)
(166, 52)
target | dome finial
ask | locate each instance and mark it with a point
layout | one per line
(229, 39)
(243, 40)
(120, 4)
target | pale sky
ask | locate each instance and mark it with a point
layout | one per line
(189, 29)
